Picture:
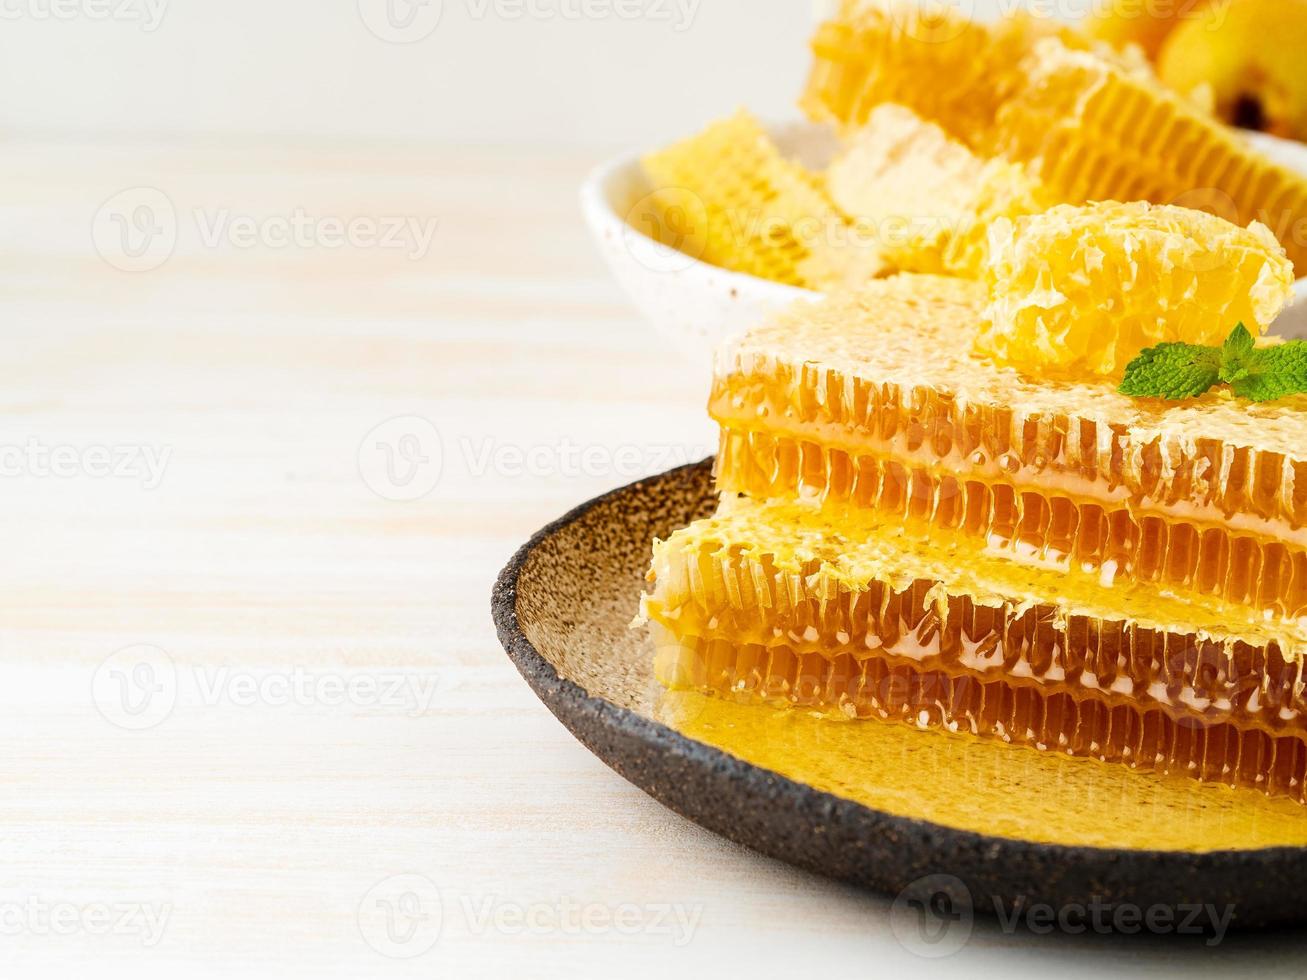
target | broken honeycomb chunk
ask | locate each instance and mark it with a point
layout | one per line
(845, 611)
(948, 69)
(928, 199)
(1094, 132)
(729, 197)
(1080, 291)
(872, 399)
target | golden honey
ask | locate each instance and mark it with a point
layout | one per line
(986, 786)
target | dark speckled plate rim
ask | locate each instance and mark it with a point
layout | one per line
(580, 713)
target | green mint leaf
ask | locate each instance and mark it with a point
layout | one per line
(1172, 371)
(1274, 372)
(1236, 356)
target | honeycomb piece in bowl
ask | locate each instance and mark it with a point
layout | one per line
(1080, 291)
(728, 196)
(927, 199)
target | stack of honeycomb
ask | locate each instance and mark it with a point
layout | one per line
(913, 531)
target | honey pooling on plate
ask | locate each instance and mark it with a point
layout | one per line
(913, 532)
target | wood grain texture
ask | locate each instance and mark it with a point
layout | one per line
(253, 821)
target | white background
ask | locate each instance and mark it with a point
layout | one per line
(516, 72)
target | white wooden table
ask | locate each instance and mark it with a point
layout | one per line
(254, 713)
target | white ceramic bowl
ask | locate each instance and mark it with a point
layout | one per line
(696, 305)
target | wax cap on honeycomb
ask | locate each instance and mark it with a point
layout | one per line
(1093, 131)
(732, 199)
(1080, 291)
(889, 367)
(928, 199)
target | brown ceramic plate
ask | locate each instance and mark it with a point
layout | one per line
(563, 608)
